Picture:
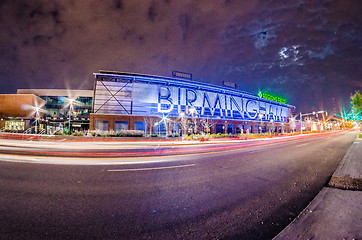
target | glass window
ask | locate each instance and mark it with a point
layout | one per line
(219, 128)
(240, 129)
(102, 125)
(140, 126)
(231, 128)
(120, 125)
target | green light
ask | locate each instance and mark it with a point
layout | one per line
(272, 97)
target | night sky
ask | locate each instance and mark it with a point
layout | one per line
(308, 52)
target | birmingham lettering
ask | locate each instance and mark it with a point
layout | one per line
(215, 104)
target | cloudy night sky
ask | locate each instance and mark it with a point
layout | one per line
(306, 51)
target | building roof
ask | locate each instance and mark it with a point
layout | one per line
(71, 93)
(185, 83)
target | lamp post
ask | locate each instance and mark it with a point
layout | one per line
(261, 122)
(292, 124)
(71, 101)
(182, 115)
(306, 114)
(36, 119)
(301, 124)
(193, 111)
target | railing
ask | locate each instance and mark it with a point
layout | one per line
(42, 132)
(54, 132)
(28, 131)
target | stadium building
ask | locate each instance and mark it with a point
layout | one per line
(179, 105)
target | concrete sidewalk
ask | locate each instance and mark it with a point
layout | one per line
(336, 212)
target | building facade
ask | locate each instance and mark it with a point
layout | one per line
(163, 105)
(57, 110)
(18, 112)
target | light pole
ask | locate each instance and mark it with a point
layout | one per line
(306, 114)
(182, 115)
(71, 101)
(292, 124)
(301, 124)
(36, 119)
(193, 111)
(261, 122)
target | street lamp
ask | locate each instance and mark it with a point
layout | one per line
(261, 122)
(36, 118)
(71, 101)
(306, 114)
(272, 122)
(182, 115)
(193, 111)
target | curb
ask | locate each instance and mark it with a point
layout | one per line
(335, 213)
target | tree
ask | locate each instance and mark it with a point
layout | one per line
(150, 122)
(207, 124)
(356, 101)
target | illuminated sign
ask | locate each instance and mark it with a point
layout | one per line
(14, 125)
(229, 84)
(149, 96)
(181, 75)
(272, 97)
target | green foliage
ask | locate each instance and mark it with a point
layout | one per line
(356, 101)
(121, 133)
(173, 135)
(79, 134)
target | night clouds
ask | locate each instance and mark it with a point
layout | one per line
(306, 51)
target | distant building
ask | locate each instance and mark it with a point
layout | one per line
(18, 112)
(57, 108)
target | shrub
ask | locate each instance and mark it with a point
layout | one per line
(76, 133)
(173, 135)
(130, 133)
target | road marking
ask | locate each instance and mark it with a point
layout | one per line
(147, 169)
(301, 145)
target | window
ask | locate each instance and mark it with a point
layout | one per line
(120, 125)
(219, 128)
(140, 126)
(102, 125)
(231, 129)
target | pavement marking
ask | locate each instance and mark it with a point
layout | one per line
(301, 145)
(147, 169)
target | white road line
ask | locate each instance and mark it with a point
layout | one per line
(147, 169)
(300, 145)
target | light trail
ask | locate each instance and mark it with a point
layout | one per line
(148, 169)
(230, 145)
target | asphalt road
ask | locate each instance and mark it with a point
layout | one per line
(221, 192)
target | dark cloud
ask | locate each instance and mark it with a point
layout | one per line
(306, 51)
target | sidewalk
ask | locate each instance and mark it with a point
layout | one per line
(336, 212)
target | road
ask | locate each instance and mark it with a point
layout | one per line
(213, 191)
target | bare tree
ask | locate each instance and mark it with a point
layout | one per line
(150, 121)
(207, 124)
(183, 121)
(225, 127)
